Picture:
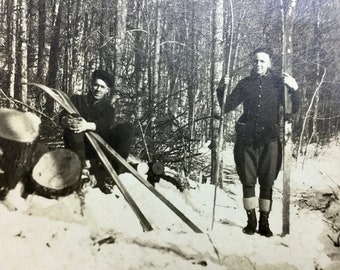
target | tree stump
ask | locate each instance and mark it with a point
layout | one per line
(18, 137)
(39, 151)
(57, 173)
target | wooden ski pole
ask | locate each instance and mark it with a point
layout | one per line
(222, 116)
(286, 30)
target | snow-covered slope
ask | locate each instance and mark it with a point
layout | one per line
(39, 233)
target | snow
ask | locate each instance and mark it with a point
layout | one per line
(102, 232)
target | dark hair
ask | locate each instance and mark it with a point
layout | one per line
(103, 75)
(264, 50)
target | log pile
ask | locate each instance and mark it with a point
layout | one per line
(22, 158)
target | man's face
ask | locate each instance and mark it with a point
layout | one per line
(99, 89)
(261, 63)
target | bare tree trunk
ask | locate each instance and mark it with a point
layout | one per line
(316, 57)
(88, 23)
(12, 34)
(192, 85)
(157, 52)
(216, 73)
(24, 60)
(219, 168)
(54, 54)
(41, 40)
(67, 48)
(31, 48)
(138, 71)
(3, 11)
(121, 14)
(76, 46)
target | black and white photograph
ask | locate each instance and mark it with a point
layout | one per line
(170, 134)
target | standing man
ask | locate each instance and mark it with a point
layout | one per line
(257, 150)
(96, 114)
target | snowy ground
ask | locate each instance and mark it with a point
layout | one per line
(39, 233)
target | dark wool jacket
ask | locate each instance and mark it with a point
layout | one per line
(261, 97)
(102, 113)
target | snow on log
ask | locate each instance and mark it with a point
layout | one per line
(18, 136)
(57, 173)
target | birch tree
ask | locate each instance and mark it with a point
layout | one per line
(156, 55)
(216, 72)
(174, 48)
(12, 44)
(41, 40)
(23, 52)
(121, 14)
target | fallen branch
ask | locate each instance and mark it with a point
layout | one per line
(15, 102)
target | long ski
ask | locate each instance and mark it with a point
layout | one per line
(66, 103)
(134, 172)
(123, 162)
(63, 99)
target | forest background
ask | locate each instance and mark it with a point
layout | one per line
(167, 58)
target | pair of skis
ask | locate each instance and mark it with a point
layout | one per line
(99, 144)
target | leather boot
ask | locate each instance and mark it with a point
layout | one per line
(251, 223)
(264, 224)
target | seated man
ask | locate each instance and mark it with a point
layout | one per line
(96, 114)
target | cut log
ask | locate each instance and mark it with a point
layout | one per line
(157, 168)
(18, 137)
(57, 173)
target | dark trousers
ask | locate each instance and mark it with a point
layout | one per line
(258, 162)
(120, 138)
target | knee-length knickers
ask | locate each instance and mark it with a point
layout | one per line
(260, 163)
